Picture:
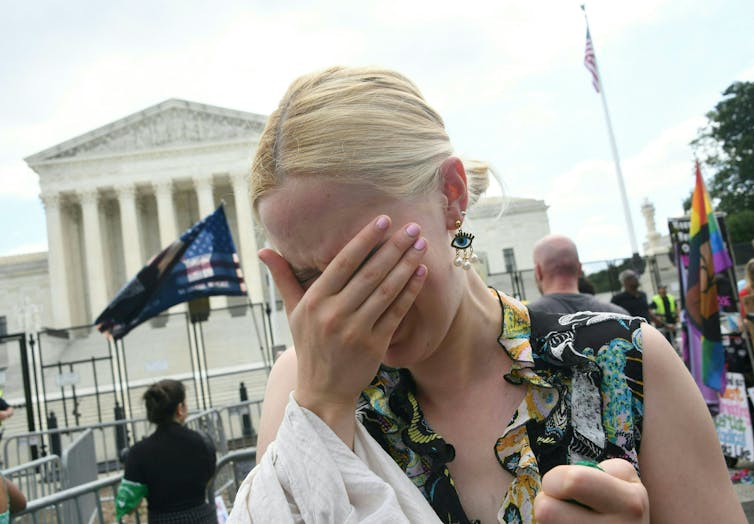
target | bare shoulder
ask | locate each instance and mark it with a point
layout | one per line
(280, 383)
(681, 462)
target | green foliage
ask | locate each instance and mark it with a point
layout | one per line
(607, 279)
(740, 226)
(726, 146)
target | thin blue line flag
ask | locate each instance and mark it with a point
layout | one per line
(202, 262)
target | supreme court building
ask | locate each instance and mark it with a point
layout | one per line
(117, 195)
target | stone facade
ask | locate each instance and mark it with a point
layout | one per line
(507, 224)
(115, 196)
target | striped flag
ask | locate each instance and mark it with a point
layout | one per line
(707, 257)
(202, 262)
(590, 61)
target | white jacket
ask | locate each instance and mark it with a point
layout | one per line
(308, 474)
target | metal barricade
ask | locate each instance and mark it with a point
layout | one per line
(51, 508)
(17, 448)
(37, 478)
(209, 423)
(239, 421)
(80, 467)
(70, 506)
(230, 471)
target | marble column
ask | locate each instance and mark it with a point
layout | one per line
(203, 187)
(248, 248)
(57, 262)
(206, 200)
(166, 218)
(129, 227)
(165, 212)
(95, 259)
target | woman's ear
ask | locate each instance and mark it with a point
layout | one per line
(455, 190)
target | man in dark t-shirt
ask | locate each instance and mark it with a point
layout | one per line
(631, 299)
(557, 269)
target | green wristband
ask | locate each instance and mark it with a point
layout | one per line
(590, 463)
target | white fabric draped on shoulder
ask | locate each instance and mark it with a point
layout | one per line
(309, 475)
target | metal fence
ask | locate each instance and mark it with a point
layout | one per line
(230, 427)
(110, 439)
(69, 506)
(52, 509)
(51, 484)
(604, 276)
(38, 478)
(79, 467)
(76, 377)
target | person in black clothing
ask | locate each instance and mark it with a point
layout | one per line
(631, 299)
(171, 467)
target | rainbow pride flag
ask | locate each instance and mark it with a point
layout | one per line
(707, 257)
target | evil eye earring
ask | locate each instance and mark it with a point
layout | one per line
(462, 243)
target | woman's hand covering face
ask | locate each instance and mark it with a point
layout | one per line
(343, 320)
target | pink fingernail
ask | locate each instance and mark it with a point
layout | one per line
(420, 244)
(382, 223)
(420, 271)
(412, 230)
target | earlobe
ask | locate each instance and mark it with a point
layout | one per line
(455, 189)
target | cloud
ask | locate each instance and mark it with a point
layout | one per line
(585, 201)
(17, 180)
(747, 75)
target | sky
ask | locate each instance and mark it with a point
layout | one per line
(507, 77)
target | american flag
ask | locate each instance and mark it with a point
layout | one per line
(202, 262)
(590, 61)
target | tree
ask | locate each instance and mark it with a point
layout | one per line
(726, 146)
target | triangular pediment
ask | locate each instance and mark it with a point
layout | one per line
(173, 123)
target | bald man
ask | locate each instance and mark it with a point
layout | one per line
(557, 270)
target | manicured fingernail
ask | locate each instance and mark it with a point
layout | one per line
(420, 271)
(420, 244)
(382, 223)
(412, 230)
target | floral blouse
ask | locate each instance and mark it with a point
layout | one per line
(584, 401)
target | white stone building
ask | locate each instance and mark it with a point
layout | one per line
(115, 196)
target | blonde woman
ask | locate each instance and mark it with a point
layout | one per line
(414, 392)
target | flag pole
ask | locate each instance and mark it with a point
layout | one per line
(614, 147)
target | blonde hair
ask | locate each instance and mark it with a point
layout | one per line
(750, 273)
(358, 125)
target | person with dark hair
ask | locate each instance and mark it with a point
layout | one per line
(557, 271)
(631, 299)
(171, 467)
